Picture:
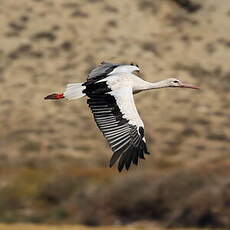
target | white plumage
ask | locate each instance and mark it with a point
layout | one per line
(125, 102)
(74, 91)
(110, 88)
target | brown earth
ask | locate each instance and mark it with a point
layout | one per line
(79, 227)
(45, 44)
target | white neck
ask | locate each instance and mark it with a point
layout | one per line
(156, 85)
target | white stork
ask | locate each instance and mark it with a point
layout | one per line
(110, 88)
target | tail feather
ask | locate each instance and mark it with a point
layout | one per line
(74, 91)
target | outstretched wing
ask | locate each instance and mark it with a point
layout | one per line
(116, 116)
(102, 70)
(106, 69)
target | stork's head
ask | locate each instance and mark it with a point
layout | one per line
(174, 82)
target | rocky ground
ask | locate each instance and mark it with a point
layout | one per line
(45, 44)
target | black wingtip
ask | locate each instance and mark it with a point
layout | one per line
(120, 166)
(129, 159)
(114, 158)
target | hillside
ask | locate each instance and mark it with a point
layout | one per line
(45, 44)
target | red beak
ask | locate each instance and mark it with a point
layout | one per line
(184, 85)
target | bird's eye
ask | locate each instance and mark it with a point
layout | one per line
(175, 81)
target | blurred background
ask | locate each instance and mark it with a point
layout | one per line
(53, 159)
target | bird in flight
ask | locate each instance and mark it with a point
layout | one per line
(110, 88)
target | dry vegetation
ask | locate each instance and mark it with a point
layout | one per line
(53, 159)
(191, 197)
(80, 227)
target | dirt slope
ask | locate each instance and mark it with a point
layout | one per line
(47, 43)
(51, 152)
